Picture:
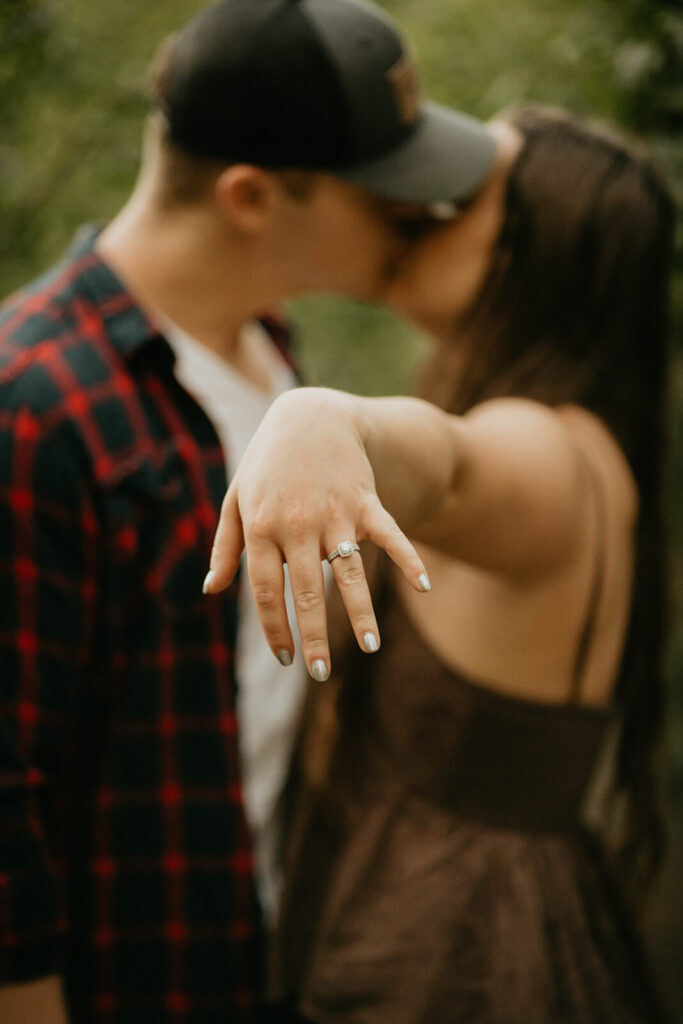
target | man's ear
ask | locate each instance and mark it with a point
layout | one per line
(244, 195)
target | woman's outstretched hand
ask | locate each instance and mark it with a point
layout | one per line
(304, 489)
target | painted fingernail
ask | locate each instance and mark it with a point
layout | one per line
(210, 577)
(284, 657)
(425, 585)
(320, 671)
(370, 643)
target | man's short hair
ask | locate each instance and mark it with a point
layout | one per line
(187, 177)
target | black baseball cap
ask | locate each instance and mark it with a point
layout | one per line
(326, 85)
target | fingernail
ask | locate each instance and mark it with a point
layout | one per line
(210, 577)
(284, 657)
(370, 643)
(320, 671)
(425, 585)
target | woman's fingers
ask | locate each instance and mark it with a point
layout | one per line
(267, 579)
(308, 590)
(349, 575)
(382, 529)
(227, 549)
(269, 546)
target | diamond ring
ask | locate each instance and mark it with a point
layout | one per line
(344, 550)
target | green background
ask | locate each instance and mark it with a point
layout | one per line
(73, 77)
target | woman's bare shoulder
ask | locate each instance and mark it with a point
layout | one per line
(599, 446)
(523, 482)
(548, 435)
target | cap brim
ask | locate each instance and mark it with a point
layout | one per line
(446, 158)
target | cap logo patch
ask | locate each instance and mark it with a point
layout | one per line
(406, 87)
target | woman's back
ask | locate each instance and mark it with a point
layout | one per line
(525, 636)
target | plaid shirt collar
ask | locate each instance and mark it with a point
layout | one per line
(129, 328)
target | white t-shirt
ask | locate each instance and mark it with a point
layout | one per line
(269, 696)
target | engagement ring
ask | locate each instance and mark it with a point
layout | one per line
(344, 550)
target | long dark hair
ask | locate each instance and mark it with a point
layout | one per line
(574, 309)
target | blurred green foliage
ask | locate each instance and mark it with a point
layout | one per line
(73, 77)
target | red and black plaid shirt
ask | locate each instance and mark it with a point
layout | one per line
(124, 855)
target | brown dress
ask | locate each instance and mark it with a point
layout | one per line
(438, 875)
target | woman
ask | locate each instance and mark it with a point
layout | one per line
(438, 870)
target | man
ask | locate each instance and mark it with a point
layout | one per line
(286, 140)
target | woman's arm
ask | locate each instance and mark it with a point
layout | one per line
(501, 488)
(519, 504)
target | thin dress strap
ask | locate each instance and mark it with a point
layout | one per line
(596, 587)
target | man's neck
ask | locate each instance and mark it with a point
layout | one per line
(179, 266)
